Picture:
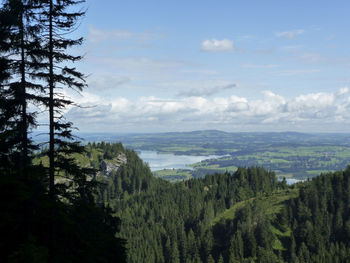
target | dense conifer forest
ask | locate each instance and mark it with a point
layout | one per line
(246, 216)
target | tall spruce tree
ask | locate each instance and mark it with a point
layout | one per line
(6, 113)
(59, 18)
(19, 41)
(20, 182)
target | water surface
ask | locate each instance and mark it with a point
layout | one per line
(159, 161)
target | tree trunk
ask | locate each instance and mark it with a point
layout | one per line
(23, 124)
(51, 111)
(52, 138)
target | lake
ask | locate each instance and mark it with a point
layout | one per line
(159, 161)
(293, 181)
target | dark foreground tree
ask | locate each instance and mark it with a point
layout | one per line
(41, 221)
(19, 41)
(7, 113)
(58, 19)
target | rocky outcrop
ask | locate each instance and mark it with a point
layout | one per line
(108, 166)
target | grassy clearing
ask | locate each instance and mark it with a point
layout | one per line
(230, 213)
(316, 172)
(173, 175)
(281, 175)
(81, 159)
(271, 204)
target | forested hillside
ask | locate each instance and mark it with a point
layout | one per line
(241, 217)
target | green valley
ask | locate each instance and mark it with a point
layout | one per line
(289, 154)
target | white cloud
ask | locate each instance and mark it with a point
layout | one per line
(343, 91)
(290, 34)
(207, 91)
(96, 35)
(311, 103)
(323, 110)
(214, 45)
(106, 81)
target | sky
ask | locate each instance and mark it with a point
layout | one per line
(244, 65)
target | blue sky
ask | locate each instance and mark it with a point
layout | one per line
(228, 65)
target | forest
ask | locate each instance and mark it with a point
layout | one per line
(245, 216)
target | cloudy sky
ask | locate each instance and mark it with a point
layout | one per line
(245, 65)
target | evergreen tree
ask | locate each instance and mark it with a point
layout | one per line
(175, 255)
(232, 258)
(220, 259)
(210, 259)
(19, 43)
(7, 113)
(58, 19)
(77, 229)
